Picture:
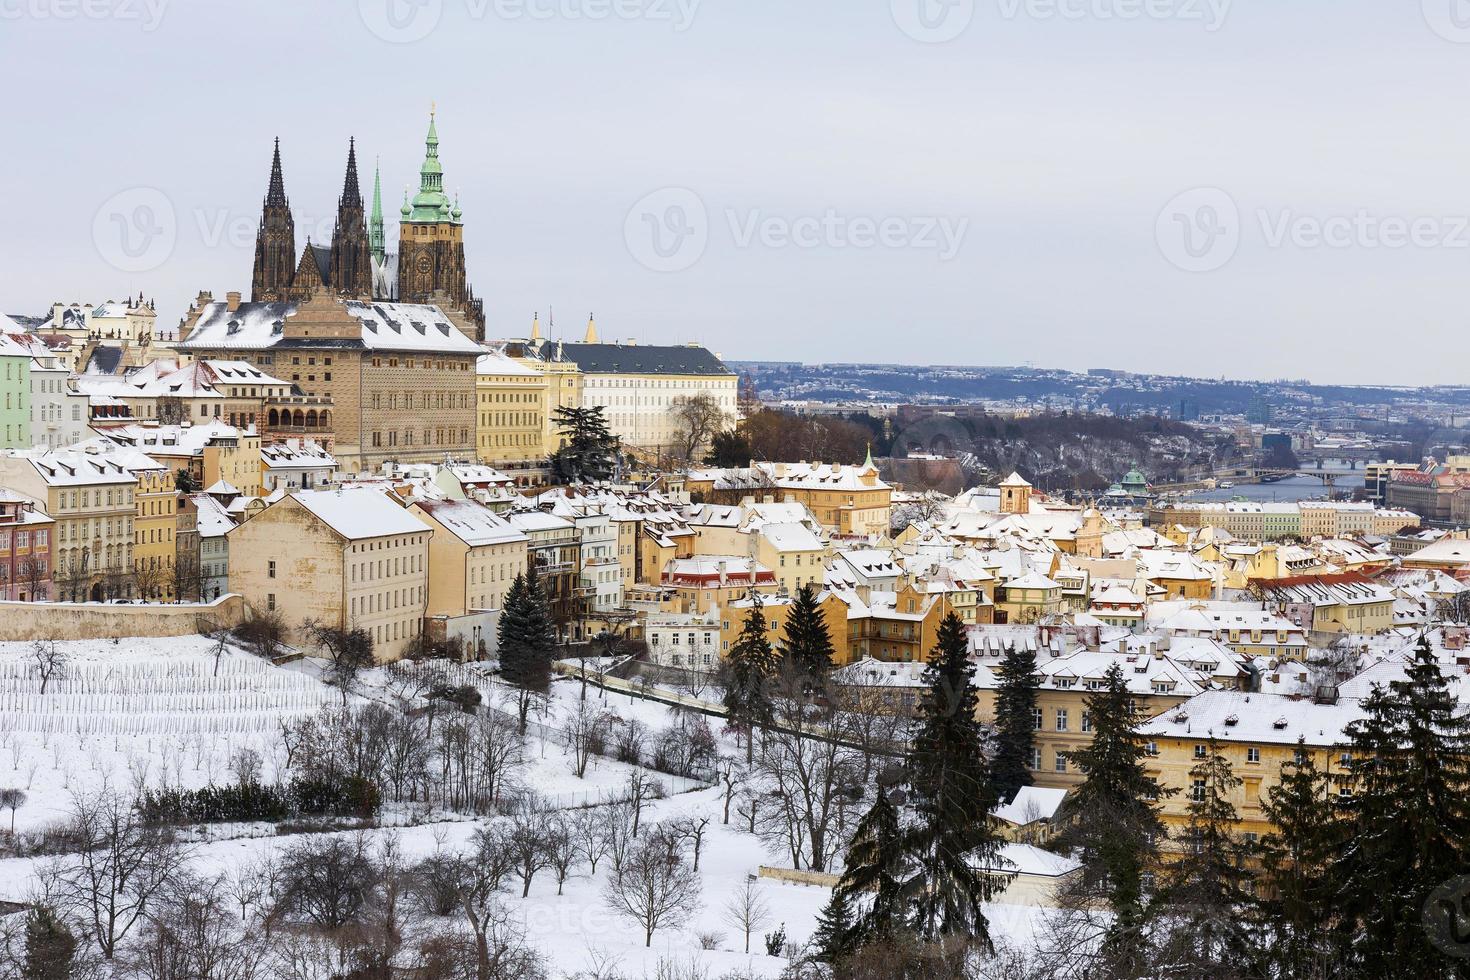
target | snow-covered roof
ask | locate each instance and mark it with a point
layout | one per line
(360, 512)
(413, 327)
(1032, 803)
(473, 523)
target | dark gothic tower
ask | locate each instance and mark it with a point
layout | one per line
(275, 240)
(351, 270)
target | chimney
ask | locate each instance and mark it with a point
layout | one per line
(232, 301)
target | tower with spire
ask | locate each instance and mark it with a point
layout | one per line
(431, 264)
(375, 221)
(275, 240)
(350, 271)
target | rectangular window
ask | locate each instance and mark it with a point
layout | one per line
(1253, 754)
(1061, 763)
(1061, 719)
(270, 569)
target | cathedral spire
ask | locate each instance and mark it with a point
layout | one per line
(351, 188)
(591, 336)
(275, 195)
(375, 220)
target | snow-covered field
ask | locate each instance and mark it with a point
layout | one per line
(149, 713)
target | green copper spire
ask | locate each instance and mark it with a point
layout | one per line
(431, 204)
(375, 221)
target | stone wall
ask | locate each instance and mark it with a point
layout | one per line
(104, 621)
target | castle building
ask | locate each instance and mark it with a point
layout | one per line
(429, 267)
(392, 382)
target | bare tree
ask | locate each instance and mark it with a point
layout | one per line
(149, 578)
(692, 827)
(348, 652)
(562, 849)
(263, 632)
(191, 933)
(732, 775)
(119, 865)
(653, 887)
(525, 840)
(588, 831)
(697, 418)
(640, 790)
(33, 573)
(48, 659)
(586, 733)
(747, 910)
(325, 881)
(12, 800)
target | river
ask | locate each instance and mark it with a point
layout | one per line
(1293, 488)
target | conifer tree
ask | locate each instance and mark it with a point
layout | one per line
(590, 449)
(51, 948)
(1408, 819)
(526, 639)
(1015, 723)
(1112, 816)
(833, 940)
(807, 642)
(1207, 890)
(746, 674)
(1295, 861)
(876, 869)
(950, 839)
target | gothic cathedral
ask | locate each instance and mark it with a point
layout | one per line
(428, 268)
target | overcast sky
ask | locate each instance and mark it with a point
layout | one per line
(1253, 188)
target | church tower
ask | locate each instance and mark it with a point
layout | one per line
(431, 266)
(375, 222)
(350, 271)
(275, 240)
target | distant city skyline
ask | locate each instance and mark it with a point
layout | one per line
(1195, 188)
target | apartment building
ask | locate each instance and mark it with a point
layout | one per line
(349, 557)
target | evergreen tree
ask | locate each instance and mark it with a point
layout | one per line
(876, 868)
(746, 672)
(1015, 723)
(527, 640)
(833, 940)
(1112, 816)
(1295, 862)
(51, 948)
(1207, 890)
(807, 642)
(1407, 822)
(590, 449)
(951, 838)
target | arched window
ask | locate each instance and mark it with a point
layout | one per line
(311, 418)
(273, 419)
(297, 418)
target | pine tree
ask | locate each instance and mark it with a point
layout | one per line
(1015, 723)
(1207, 889)
(833, 940)
(590, 449)
(1112, 816)
(1408, 819)
(807, 642)
(526, 639)
(951, 838)
(51, 948)
(876, 868)
(746, 672)
(1295, 862)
